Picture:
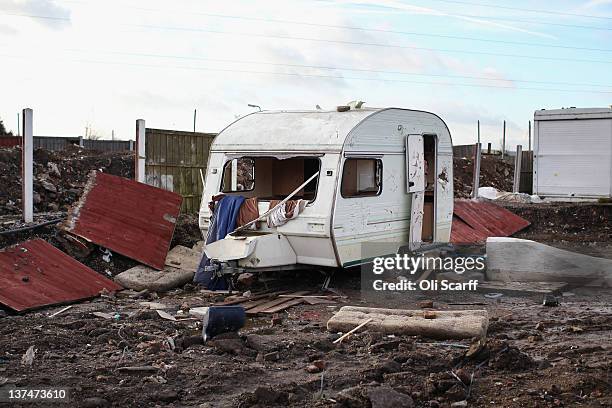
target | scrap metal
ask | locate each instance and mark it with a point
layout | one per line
(475, 221)
(133, 219)
(35, 274)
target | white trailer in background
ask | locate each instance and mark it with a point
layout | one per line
(384, 176)
(572, 154)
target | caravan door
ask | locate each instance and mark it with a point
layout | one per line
(415, 180)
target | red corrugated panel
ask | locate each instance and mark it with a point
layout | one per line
(10, 141)
(461, 233)
(35, 274)
(131, 218)
(475, 221)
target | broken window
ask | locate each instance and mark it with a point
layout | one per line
(238, 175)
(361, 178)
(271, 178)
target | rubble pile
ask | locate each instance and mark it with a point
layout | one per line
(494, 172)
(575, 222)
(59, 177)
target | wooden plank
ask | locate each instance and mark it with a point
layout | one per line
(319, 301)
(283, 306)
(272, 303)
(251, 304)
(255, 297)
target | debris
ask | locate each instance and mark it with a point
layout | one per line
(142, 277)
(246, 280)
(276, 320)
(154, 305)
(345, 335)
(459, 404)
(275, 305)
(313, 369)
(60, 311)
(494, 295)
(521, 260)
(106, 255)
(426, 304)
(457, 324)
(166, 315)
(273, 356)
(105, 315)
(550, 300)
(28, 358)
(127, 217)
(184, 258)
(475, 221)
(35, 274)
(429, 314)
(222, 319)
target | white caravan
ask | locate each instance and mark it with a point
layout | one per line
(378, 176)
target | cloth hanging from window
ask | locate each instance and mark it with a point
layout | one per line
(289, 210)
(249, 211)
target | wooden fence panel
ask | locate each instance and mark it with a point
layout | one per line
(526, 182)
(173, 162)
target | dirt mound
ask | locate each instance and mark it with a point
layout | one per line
(550, 222)
(59, 177)
(494, 172)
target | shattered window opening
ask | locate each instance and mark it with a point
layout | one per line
(271, 178)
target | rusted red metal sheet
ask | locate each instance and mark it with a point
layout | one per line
(36, 274)
(475, 221)
(10, 141)
(133, 219)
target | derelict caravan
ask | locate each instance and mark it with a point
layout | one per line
(308, 188)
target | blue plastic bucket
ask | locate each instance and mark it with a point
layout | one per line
(222, 319)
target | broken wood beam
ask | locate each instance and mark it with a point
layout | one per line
(446, 324)
(348, 333)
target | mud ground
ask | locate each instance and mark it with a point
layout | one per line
(535, 356)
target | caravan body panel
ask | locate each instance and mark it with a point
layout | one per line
(331, 229)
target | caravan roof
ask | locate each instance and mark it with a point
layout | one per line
(290, 130)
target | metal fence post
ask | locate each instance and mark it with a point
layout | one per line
(140, 151)
(503, 152)
(476, 183)
(27, 165)
(517, 169)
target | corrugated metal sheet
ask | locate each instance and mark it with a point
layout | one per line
(10, 141)
(36, 274)
(174, 160)
(108, 145)
(131, 218)
(475, 221)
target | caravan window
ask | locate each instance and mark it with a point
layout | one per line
(271, 178)
(243, 180)
(361, 178)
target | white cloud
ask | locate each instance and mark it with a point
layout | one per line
(54, 15)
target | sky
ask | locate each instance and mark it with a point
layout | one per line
(100, 65)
